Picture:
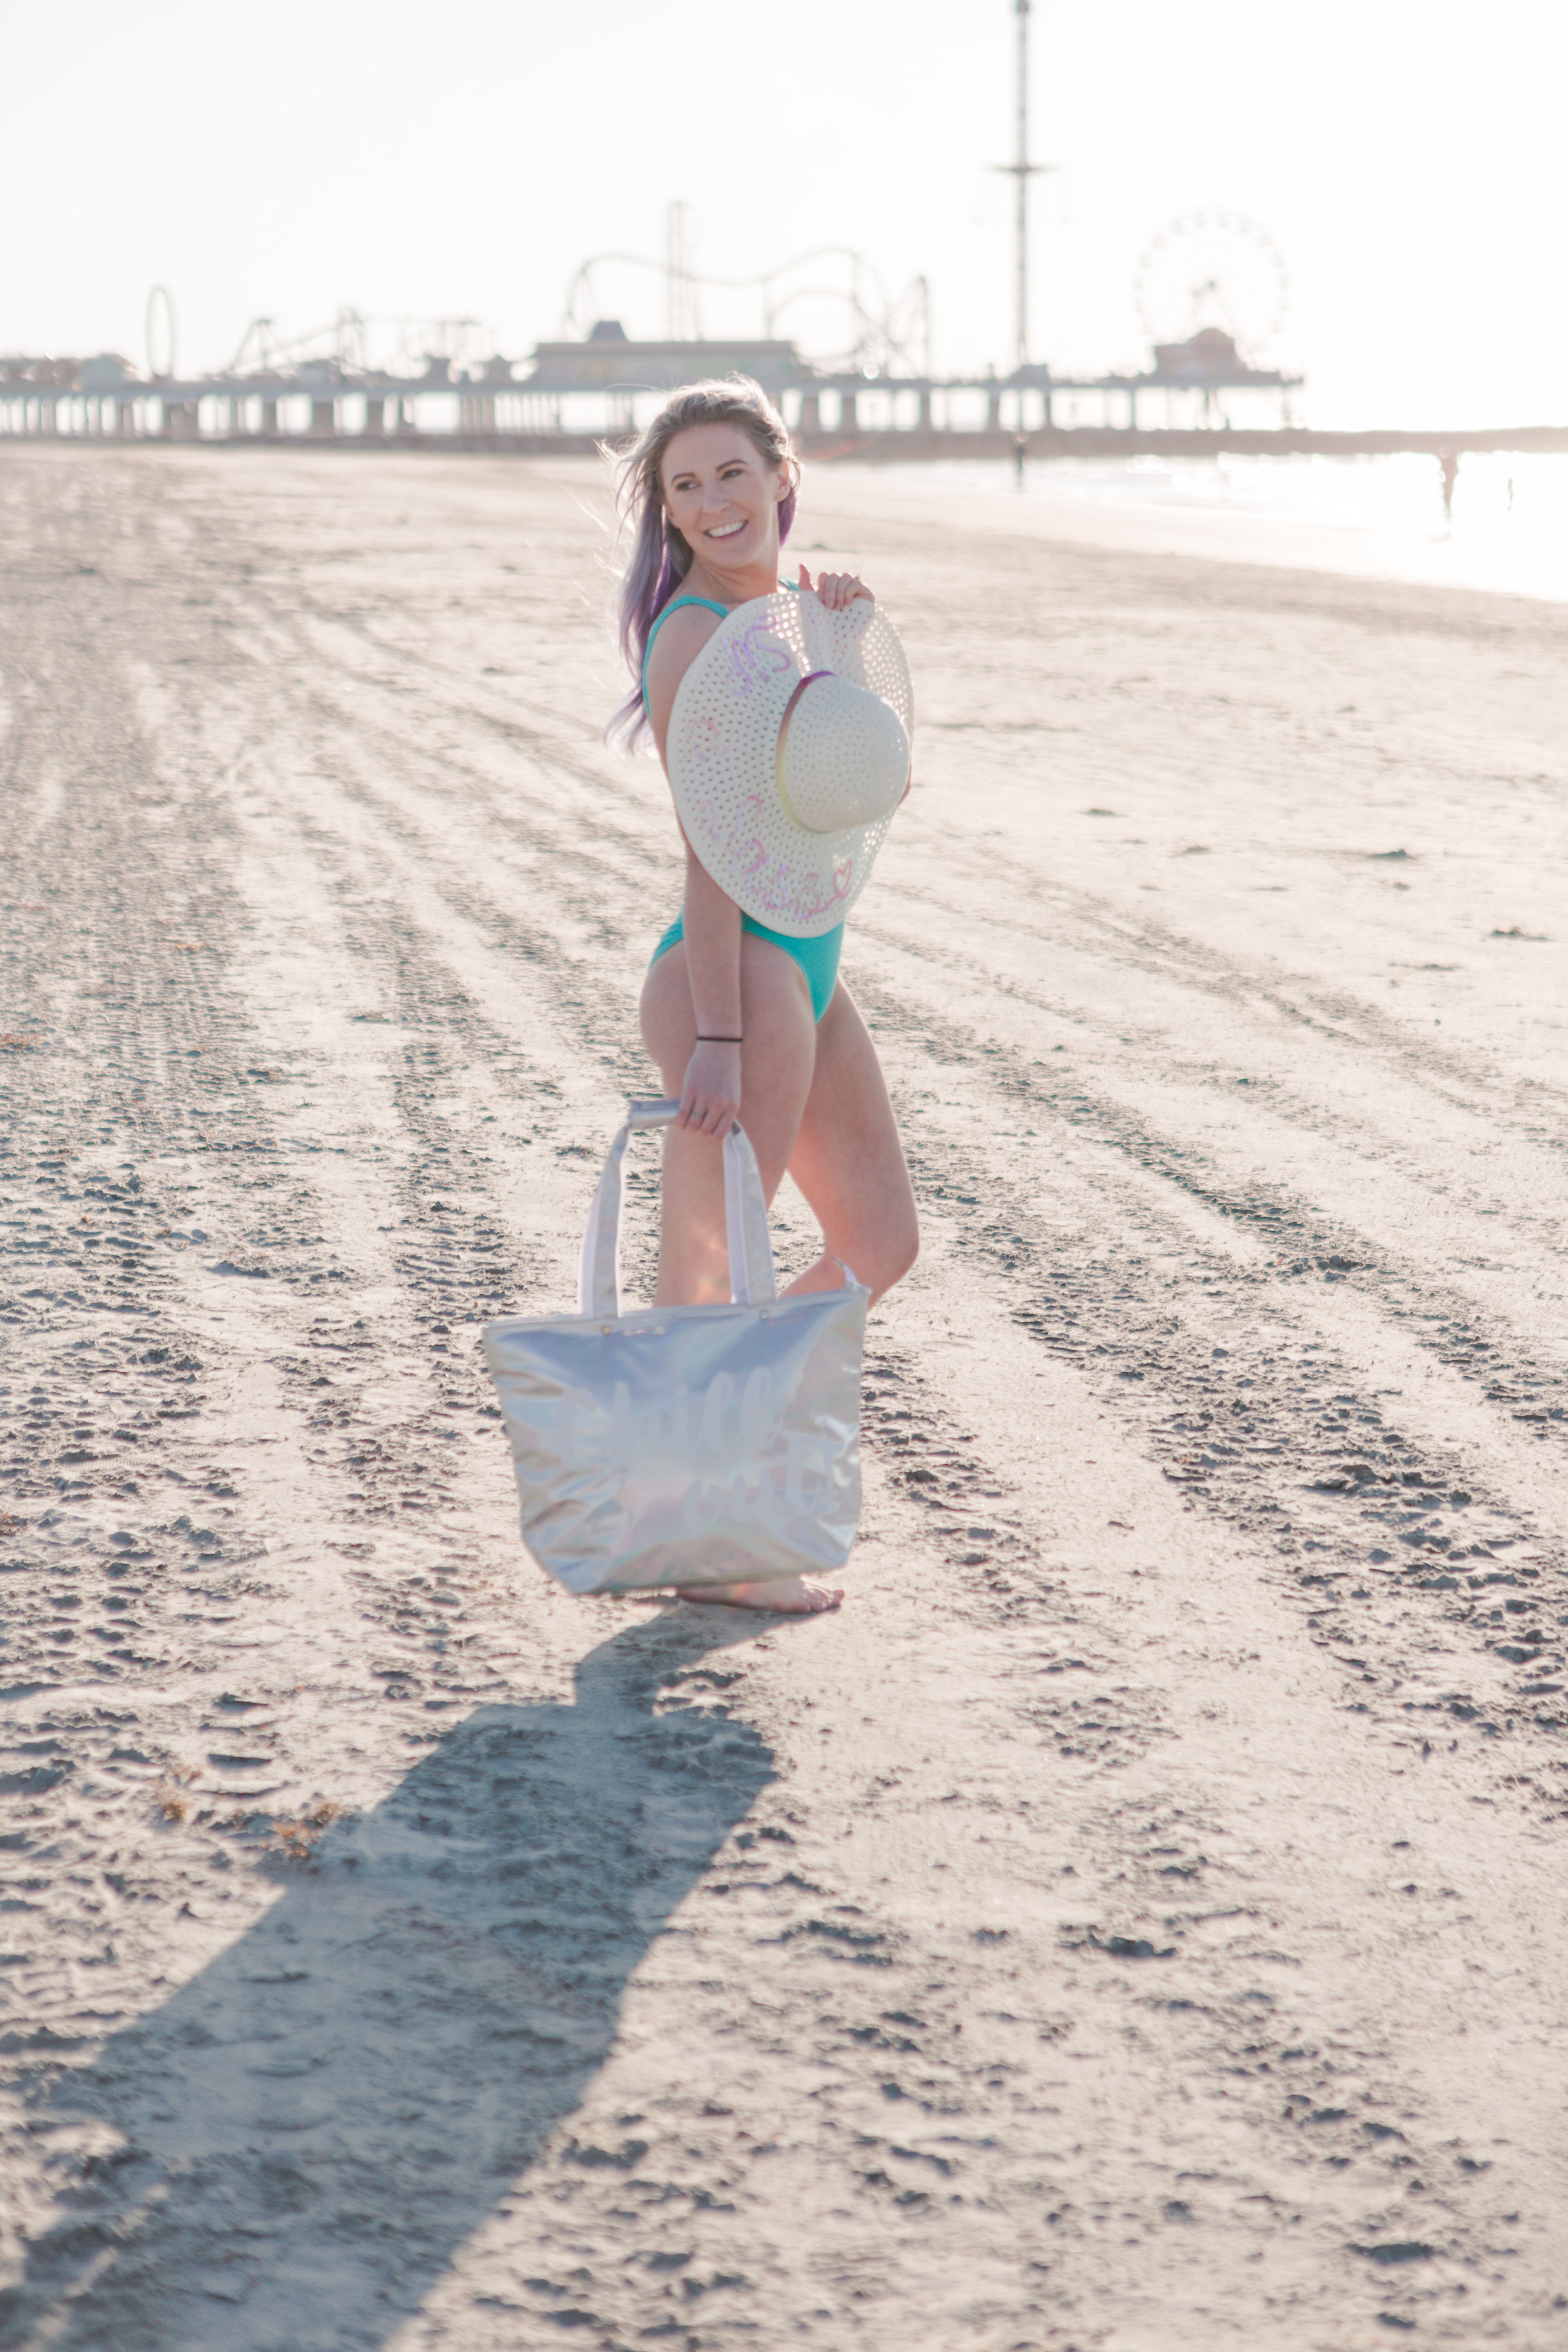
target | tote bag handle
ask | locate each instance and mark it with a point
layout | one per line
(751, 1281)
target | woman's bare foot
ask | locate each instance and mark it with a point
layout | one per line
(781, 1596)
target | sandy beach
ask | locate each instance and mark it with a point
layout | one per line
(1135, 1922)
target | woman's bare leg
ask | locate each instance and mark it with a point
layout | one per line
(777, 1063)
(776, 1066)
(849, 1162)
(849, 1165)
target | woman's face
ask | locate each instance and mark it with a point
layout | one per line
(722, 496)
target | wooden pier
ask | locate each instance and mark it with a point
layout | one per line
(495, 408)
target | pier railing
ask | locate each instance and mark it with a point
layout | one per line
(1028, 417)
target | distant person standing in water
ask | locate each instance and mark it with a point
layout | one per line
(742, 1020)
(1448, 459)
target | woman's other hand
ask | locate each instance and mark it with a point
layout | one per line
(711, 1094)
(835, 589)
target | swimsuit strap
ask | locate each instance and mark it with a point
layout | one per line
(674, 606)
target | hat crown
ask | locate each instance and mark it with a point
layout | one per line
(843, 757)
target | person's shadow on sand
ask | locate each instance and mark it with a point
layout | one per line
(300, 2140)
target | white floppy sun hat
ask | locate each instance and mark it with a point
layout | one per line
(788, 753)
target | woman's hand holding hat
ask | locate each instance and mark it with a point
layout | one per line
(835, 589)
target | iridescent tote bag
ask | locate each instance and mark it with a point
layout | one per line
(685, 1444)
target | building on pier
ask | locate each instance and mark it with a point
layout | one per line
(571, 392)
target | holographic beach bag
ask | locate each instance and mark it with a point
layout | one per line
(684, 1443)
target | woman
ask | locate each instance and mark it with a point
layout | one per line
(742, 1021)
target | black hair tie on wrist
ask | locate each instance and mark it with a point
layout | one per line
(719, 1040)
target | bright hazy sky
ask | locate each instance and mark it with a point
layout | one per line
(408, 158)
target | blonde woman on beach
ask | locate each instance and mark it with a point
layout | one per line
(743, 1020)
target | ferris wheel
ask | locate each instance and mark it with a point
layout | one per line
(1213, 270)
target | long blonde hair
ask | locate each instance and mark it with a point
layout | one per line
(661, 558)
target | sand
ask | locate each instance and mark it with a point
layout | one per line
(1136, 1920)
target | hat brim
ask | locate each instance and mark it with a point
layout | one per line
(720, 755)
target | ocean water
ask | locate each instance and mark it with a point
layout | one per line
(1378, 517)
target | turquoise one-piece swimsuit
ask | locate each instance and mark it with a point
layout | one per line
(818, 958)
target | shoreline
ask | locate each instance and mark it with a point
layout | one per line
(1051, 511)
(1055, 445)
(1054, 506)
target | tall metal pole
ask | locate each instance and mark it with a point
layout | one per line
(1021, 172)
(1022, 167)
(681, 322)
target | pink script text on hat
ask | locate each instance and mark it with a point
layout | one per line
(782, 887)
(756, 656)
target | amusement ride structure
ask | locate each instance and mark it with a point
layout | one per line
(1211, 293)
(872, 372)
